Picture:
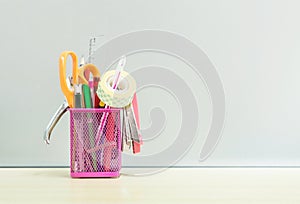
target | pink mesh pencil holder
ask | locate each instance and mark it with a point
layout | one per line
(95, 136)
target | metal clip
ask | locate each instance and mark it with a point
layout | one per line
(130, 131)
(134, 132)
(54, 120)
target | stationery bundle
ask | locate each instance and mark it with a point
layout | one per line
(104, 118)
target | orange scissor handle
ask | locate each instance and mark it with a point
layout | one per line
(90, 67)
(62, 75)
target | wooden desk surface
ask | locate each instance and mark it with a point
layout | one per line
(175, 185)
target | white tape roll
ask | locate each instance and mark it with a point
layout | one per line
(124, 93)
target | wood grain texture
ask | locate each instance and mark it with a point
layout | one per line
(175, 185)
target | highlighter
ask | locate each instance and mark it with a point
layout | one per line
(88, 104)
(87, 96)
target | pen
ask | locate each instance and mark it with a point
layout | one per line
(82, 62)
(78, 95)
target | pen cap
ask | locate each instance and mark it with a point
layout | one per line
(77, 88)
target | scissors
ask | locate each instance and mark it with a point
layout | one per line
(67, 88)
(77, 75)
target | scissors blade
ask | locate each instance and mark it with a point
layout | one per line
(54, 120)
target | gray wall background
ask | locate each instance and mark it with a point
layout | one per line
(254, 45)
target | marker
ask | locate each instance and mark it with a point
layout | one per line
(87, 96)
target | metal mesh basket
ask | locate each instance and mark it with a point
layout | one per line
(95, 149)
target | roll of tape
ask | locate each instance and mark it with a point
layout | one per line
(120, 97)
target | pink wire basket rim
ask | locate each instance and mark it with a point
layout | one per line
(94, 110)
